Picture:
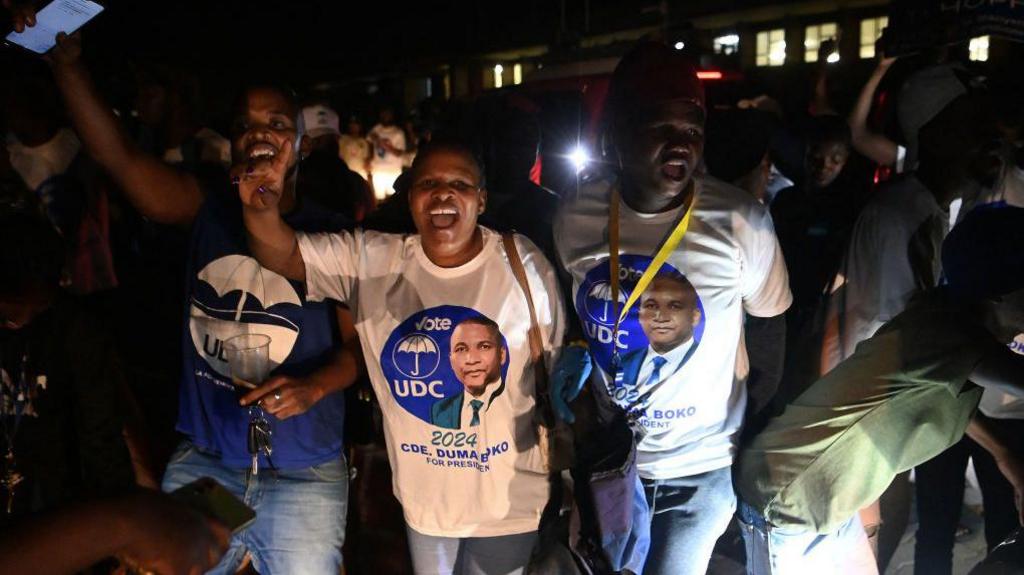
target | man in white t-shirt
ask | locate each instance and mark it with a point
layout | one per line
(472, 497)
(729, 254)
(388, 141)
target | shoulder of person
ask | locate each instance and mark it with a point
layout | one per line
(892, 203)
(736, 204)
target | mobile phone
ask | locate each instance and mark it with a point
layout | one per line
(58, 16)
(211, 498)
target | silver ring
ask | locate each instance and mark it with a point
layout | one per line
(277, 396)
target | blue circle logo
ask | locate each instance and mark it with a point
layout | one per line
(670, 314)
(446, 365)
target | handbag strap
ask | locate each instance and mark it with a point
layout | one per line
(536, 342)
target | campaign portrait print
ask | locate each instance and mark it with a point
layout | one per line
(446, 365)
(667, 315)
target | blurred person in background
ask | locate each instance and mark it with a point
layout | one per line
(389, 146)
(354, 149)
(324, 175)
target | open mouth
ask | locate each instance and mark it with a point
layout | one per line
(674, 165)
(261, 152)
(443, 217)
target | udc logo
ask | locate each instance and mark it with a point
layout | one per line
(416, 355)
(599, 302)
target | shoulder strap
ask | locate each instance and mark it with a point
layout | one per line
(536, 342)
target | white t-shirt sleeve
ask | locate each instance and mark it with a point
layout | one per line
(764, 281)
(332, 264)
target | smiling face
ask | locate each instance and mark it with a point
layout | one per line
(660, 147)
(668, 313)
(264, 123)
(476, 356)
(445, 199)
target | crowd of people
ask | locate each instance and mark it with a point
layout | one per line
(740, 321)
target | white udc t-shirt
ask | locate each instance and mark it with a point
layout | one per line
(731, 257)
(453, 479)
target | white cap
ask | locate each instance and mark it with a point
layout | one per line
(320, 120)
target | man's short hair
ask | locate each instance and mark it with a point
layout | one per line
(484, 321)
(677, 278)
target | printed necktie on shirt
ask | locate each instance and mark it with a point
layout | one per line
(476, 404)
(659, 362)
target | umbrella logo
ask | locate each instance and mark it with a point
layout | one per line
(409, 350)
(599, 302)
(213, 320)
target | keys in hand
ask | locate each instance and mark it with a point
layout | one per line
(258, 438)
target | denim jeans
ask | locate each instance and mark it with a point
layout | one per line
(688, 514)
(503, 555)
(777, 551)
(300, 513)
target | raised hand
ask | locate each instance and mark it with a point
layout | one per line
(169, 538)
(261, 183)
(67, 52)
(23, 13)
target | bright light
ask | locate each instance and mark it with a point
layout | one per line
(709, 75)
(727, 44)
(517, 74)
(498, 69)
(680, 45)
(979, 48)
(579, 158)
(832, 58)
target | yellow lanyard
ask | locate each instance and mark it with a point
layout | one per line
(671, 243)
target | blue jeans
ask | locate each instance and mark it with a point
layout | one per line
(503, 555)
(778, 551)
(688, 514)
(300, 513)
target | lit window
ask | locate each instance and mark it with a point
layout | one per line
(728, 44)
(979, 48)
(771, 47)
(498, 69)
(517, 74)
(870, 32)
(814, 36)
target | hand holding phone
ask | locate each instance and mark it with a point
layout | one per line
(40, 30)
(166, 537)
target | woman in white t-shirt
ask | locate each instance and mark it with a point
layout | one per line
(444, 329)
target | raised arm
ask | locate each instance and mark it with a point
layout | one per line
(271, 240)
(877, 147)
(158, 191)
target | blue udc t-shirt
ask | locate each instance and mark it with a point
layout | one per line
(229, 293)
